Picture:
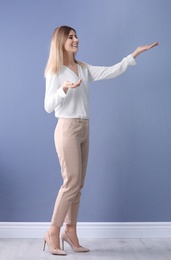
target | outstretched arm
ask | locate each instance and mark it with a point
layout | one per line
(143, 48)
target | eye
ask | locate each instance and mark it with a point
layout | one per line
(72, 36)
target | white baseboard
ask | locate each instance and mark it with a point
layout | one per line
(90, 229)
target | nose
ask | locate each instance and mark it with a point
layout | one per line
(75, 39)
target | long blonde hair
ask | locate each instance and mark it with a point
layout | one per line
(55, 60)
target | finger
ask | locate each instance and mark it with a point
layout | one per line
(154, 44)
(68, 83)
(78, 82)
(74, 85)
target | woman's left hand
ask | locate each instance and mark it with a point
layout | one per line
(143, 48)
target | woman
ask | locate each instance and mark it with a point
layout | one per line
(67, 83)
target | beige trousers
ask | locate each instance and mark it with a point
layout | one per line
(72, 143)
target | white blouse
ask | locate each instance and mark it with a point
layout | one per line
(75, 103)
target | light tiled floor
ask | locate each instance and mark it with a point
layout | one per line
(113, 249)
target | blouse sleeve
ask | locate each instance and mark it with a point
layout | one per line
(99, 73)
(54, 94)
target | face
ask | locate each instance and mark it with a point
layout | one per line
(71, 44)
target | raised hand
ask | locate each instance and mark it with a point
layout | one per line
(141, 49)
(67, 84)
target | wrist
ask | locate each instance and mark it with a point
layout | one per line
(135, 54)
(65, 89)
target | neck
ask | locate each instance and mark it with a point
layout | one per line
(69, 59)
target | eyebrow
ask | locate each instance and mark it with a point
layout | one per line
(72, 35)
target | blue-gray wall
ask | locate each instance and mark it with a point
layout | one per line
(129, 171)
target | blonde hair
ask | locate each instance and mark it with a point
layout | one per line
(55, 60)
